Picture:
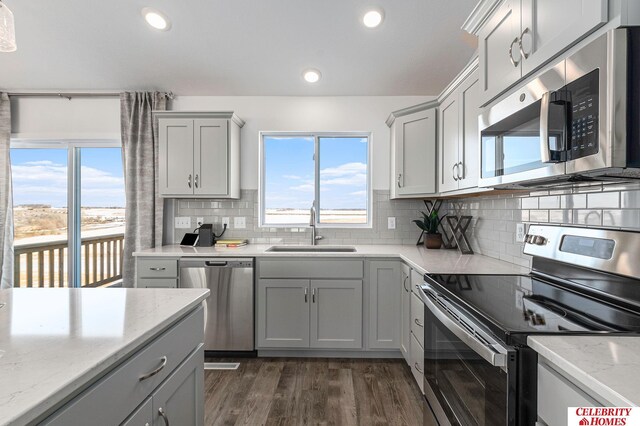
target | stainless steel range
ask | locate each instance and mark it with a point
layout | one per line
(478, 367)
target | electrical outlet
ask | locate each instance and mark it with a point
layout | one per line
(225, 221)
(183, 222)
(391, 223)
(521, 230)
(239, 222)
(200, 220)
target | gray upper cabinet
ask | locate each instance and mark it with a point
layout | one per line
(199, 154)
(283, 313)
(336, 314)
(405, 321)
(522, 35)
(458, 133)
(413, 151)
(384, 304)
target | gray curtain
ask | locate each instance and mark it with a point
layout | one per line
(140, 158)
(6, 195)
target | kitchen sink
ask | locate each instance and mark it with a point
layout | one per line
(311, 249)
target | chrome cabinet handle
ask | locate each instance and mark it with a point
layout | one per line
(453, 172)
(513, 61)
(460, 167)
(158, 269)
(306, 296)
(399, 177)
(163, 414)
(313, 295)
(418, 368)
(418, 323)
(404, 283)
(189, 181)
(196, 181)
(524, 55)
(156, 371)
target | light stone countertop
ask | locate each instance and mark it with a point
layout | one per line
(607, 365)
(56, 341)
(419, 258)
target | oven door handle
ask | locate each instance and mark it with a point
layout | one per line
(495, 354)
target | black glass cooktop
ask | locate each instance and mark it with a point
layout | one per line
(514, 306)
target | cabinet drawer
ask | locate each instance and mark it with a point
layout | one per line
(417, 279)
(311, 268)
(417, 318)
(556, 394)
(157, 283)
(157, 268)
(113, 397)
(417, 362)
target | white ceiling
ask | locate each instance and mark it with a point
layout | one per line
(238, 47)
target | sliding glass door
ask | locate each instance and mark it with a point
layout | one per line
(69, 206)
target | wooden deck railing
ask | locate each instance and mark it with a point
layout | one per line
(45, 264)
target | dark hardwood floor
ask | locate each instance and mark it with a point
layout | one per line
(305, 391)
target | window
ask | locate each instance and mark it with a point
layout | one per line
(328, 171)
(69, 205)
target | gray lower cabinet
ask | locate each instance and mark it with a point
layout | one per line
(384, 304)
(417, 362)
(283, 313)
(156, 272)
(405, 311)
(323, 314)
(168, 372)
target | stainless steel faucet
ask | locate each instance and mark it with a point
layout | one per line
(312, 224)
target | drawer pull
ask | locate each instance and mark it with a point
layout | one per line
(158, 269)
(164, 416)
(418, 323)
(415, 365)
(404, 284)
(156, 371)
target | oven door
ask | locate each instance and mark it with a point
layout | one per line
(469, 378)
(513, 147)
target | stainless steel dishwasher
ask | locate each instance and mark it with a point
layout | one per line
(228, 311)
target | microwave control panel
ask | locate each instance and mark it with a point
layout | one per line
(583, 116)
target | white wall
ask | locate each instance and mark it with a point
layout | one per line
(100, 117)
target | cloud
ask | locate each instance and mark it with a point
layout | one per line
(293, 177)
(346, 169)
(358, 193)
(305, 187)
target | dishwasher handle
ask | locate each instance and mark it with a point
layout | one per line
(214, 263)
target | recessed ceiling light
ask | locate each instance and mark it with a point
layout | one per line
(156, 19)
(372, 18)
(311, 76)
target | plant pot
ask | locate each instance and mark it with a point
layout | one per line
(433, 241)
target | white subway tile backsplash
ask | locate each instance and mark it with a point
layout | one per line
(549, 202)
(603, 200)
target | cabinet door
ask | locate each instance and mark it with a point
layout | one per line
(211, 160)
(405, 321)
(550, 26)
(180, 399)
(469, 147)
(175, 157)
(283, 313)
(336, 314)
(384, 305)
(449, 136)
(143, 416)
(415, 154)
(417, 362)
(500, 34)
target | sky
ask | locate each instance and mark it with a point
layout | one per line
(289, 172)
(40, 177)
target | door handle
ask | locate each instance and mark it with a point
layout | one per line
(313, 295)
(196, 180)
(158, 269)
(404, 283)
(415, 365)
(524, 55)
(189, 181)
(163, 414)
(453, 172)
(513, 61)
(156, 370)
(418, 323)
(545, 151)
(398, 180)
(214, 263)
(306, 296)
(460, 167)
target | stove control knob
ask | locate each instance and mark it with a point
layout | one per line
(539, 240)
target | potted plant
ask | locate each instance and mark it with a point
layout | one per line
(429, 225)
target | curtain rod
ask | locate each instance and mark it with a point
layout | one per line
(70, 95)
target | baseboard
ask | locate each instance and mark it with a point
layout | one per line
(318, 353)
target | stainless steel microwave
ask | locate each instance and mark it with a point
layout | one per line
(578, 122)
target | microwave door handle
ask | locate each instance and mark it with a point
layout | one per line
(545, 151)
(488, 353)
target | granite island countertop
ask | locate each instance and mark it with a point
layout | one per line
(419, 258)
(54, 342)
(607, 365)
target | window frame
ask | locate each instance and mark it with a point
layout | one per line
(316, 203)
(74, 215)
